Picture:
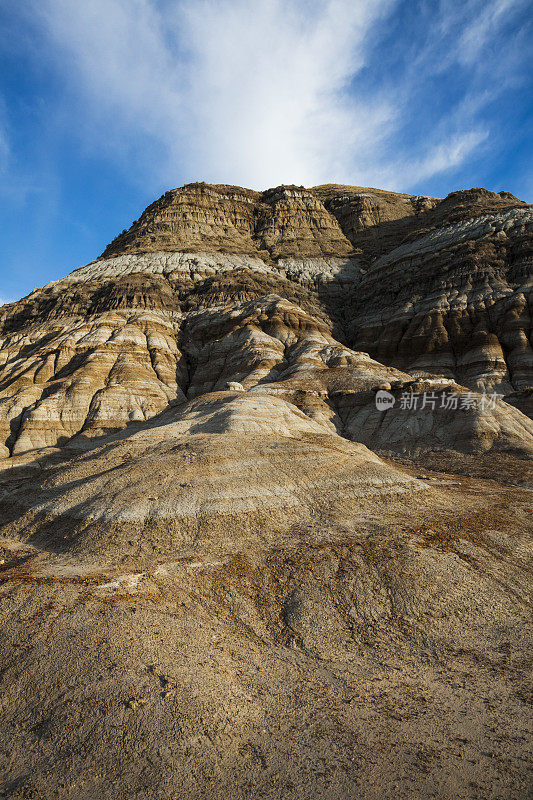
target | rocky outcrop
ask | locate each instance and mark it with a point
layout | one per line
(454, 302)
(426, 284)
(288, 221)
(283, 283)
(97, 374)
(261, 535)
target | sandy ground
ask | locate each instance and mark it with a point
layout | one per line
(389, 661)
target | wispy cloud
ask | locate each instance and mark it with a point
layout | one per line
(4, 140)
(4, 150)
(234, 91)
(446, 155)
(271, 91)
(483, 27)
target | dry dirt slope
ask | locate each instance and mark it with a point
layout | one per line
(227, 574)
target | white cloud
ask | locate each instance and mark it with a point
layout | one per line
(446, 155)
(481, 29)
(410, 171)
(259, 93)
(235, 91)
(269, 82)
(5, 148)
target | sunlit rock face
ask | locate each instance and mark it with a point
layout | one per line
(218, 284)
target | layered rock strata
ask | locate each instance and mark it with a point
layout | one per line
(227, 569)
(97, 374)
(216, 284)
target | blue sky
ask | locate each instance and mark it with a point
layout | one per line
(105, 104)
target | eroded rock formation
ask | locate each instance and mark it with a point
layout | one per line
(226, 570)
(176, 306)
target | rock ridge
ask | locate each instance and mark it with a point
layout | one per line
(218, 285)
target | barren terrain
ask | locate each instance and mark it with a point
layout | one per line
(224, 570)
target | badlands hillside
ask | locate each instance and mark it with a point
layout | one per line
(227, 570)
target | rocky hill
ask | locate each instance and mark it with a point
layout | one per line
(227, 570)
(423, 286)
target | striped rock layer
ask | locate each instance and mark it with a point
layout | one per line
(330, 291)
